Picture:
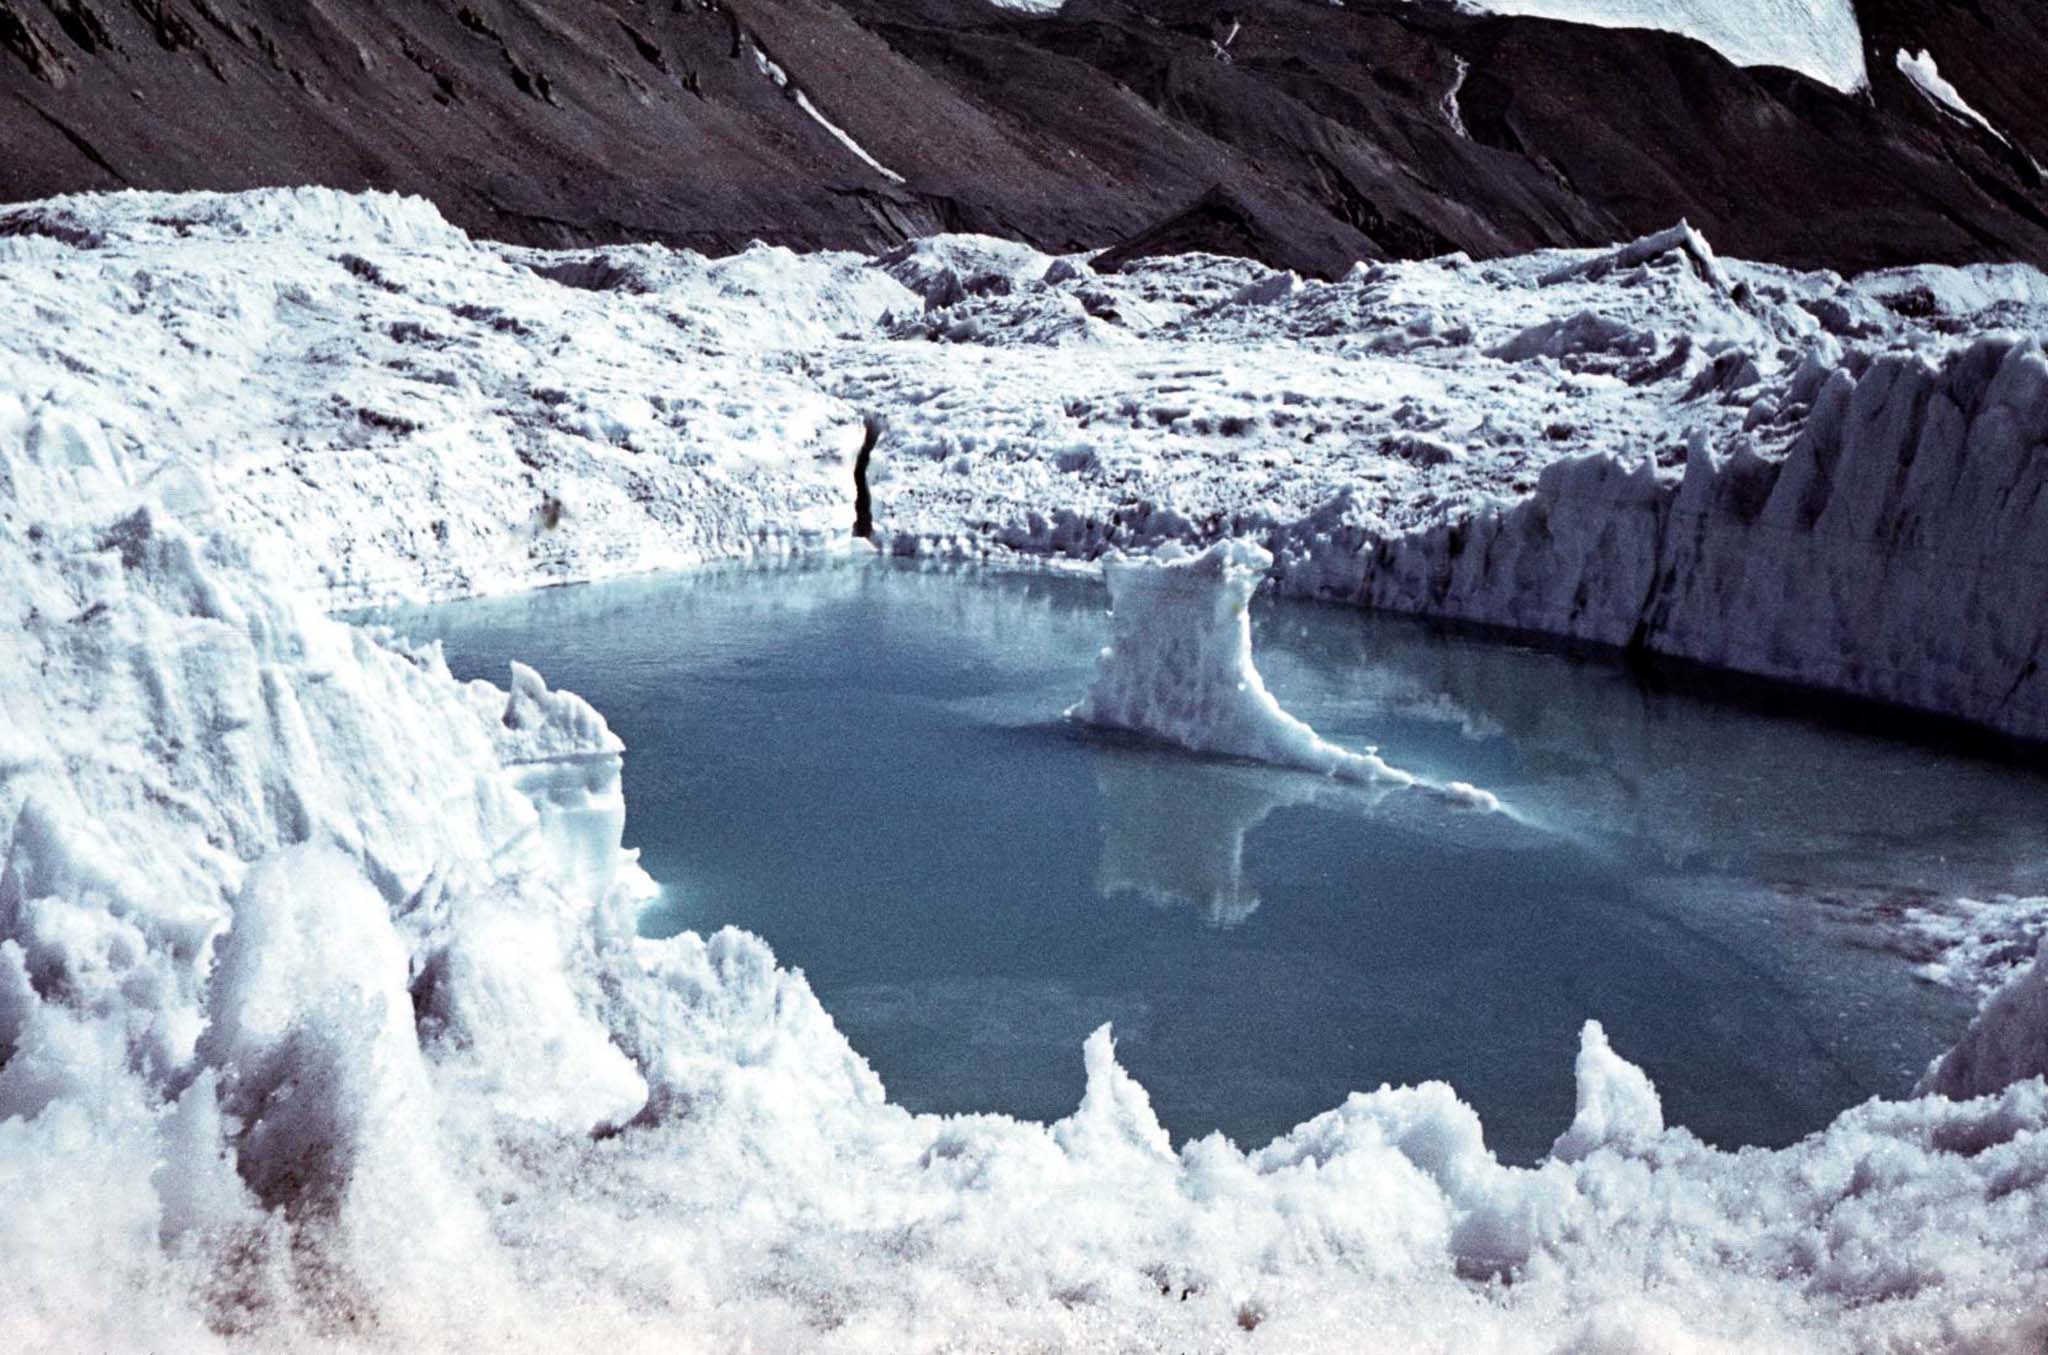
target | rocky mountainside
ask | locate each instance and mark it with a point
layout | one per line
(1306, 134)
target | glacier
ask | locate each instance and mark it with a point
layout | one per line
(323, 1020)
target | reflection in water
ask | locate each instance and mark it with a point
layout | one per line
(1170, 841)
(1174, 823)
(1676, 782)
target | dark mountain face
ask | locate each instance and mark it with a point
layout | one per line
(1312, 136)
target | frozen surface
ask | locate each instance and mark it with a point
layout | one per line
(331, 1041)
(1819, 38)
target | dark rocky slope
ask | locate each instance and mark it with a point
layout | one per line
(1327, 128)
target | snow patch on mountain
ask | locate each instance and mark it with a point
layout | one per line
(782, 81)
(1818, 38)
(1927, 77)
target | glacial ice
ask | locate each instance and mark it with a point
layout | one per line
(1879, 556)
(2006, 1044)
(323, 1025)
(1179, 666)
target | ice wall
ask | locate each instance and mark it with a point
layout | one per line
(564, 758)
(1894, 551)
(1179, 665)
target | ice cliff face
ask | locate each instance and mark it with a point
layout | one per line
(322, 1025)
(1892, 552)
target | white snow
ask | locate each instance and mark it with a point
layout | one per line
(1819, 38)
(840, 134)
(323, 1025)
(1617, 1106)
(1927, 77)
(1976, 945)
(391, 410)
(1453, 115)
(2006, 1044)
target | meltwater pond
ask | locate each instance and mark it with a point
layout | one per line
(865, 763)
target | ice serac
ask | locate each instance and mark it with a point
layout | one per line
(1179, 665)
(2007, 1043)
(1617, 1105)
(1890, 553)
(1681, 238)
(563, 757)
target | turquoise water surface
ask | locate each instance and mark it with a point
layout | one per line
(866, 764)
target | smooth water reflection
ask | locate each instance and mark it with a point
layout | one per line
(865, 764)
(1175, 839)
